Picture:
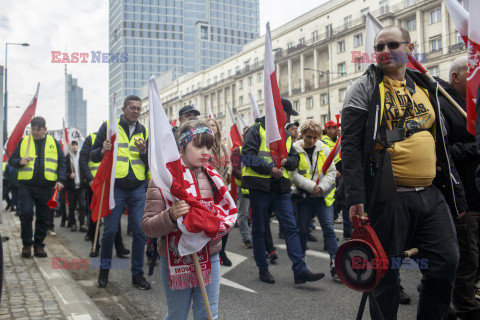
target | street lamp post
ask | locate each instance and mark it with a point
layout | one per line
(5, 106)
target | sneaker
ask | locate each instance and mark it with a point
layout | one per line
(224, 259)
(477, 289)
(39, 252)
(307, 276)
(247, 244)
(123, 252)
(83, 228)
(333, 272)
(139, 281)
(73, 228)
(266, 276)
(338, 221)
(27, 252)
(94, 254)
(273, 256)
(404, 298)
(103, 278)
(52, 232)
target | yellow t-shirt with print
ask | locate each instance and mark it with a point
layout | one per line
(413, 159)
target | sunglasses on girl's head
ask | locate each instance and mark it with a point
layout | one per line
(391, 45)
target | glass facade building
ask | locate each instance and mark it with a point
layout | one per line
(155, 36)
(75, 105)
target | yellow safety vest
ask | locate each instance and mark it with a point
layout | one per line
(264, 153)
(50, 158)
(93, 166)
(128, 154)
(304, 170)
(330, 144)
(239, 182)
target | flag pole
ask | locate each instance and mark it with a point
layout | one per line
(202, 285)
(98, 218)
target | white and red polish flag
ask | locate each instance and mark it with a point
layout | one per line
(105, 178)
(241, 122)
(24, 121)
(176, 182)
(274, 114)
(254, 112)
(460, 18)
(209, 110)
(65, 141)
(235, 140)
(332, 155)
(473, 66)
(372, 27)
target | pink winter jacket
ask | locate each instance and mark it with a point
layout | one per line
(156, 222)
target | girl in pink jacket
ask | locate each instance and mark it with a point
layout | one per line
(160, 221)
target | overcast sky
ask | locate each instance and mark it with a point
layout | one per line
(79, 26)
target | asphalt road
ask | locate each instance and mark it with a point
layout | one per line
(242, 294)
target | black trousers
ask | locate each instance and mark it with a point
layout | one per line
(76, 196)
(464, 292)
(417, 220)
(63, 206)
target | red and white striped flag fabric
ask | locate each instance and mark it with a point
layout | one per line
(274, 114)
(460, 18)
(209, 110)
(65, 141)
(176, 181)
(328, 162)
(24, 121)
(241, 122)
(104, 181)
(473, 67)
(254, 112)
(235, 140)
(372, 27)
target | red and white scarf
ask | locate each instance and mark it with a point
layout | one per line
(196, 231)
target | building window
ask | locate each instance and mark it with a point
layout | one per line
(255, 62)
(204, 32)
(249, 81)
(383, 6)
(215, 79)
(314, 36)
(363, 13)
(289, 45)
(240, 100)
(357, 40)
(259, 77)
(358, 65)
(222, 76)
(229, 73)
(411, 24)
(328, 30)
(347, 22)
(342, 93)
(259, 93)
(434, 72)
(341, 46)
(296, 105)
(240, 84)
(436, 44)
(309, 103)
(342, 69)
(435, 15)
(301, 41)
(324, 99)
(409, 3)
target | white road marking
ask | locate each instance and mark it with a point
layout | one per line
(236, 259)
(235, 285)
(312, 253)
(79, 317)
(318, 228)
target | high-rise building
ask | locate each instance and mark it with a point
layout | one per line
(75, 105)
(182, 36)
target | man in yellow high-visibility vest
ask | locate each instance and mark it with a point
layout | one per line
(41, 163)
(129, 190)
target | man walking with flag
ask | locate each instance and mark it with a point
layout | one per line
(129, 186)
(397, 169)
(41, 163)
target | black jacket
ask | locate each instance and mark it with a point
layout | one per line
(38, 179)
(130, 182)
(85, 158)
(70, 183)
(462, 145)
(251, 144)
(360, 123)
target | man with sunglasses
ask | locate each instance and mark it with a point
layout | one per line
(398, 171)
(129, 190)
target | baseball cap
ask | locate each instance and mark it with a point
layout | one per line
(291, 124)
(331, 123)
(287, 107)
(188, 109)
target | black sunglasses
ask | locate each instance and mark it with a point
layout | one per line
(391, 45)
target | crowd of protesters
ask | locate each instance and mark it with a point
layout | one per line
(393, 121)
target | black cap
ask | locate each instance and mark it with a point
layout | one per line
(287, 107)
(188, 109)
(291, 124)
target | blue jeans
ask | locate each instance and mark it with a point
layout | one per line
(38, 197)
(179, 301)
(281, 204)
(347, 224)
(242, 205)
(135, 201)
(306, 210)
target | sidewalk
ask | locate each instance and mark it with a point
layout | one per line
(32, 289)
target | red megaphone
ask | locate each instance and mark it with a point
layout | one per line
(52, 203)
(338, 119)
